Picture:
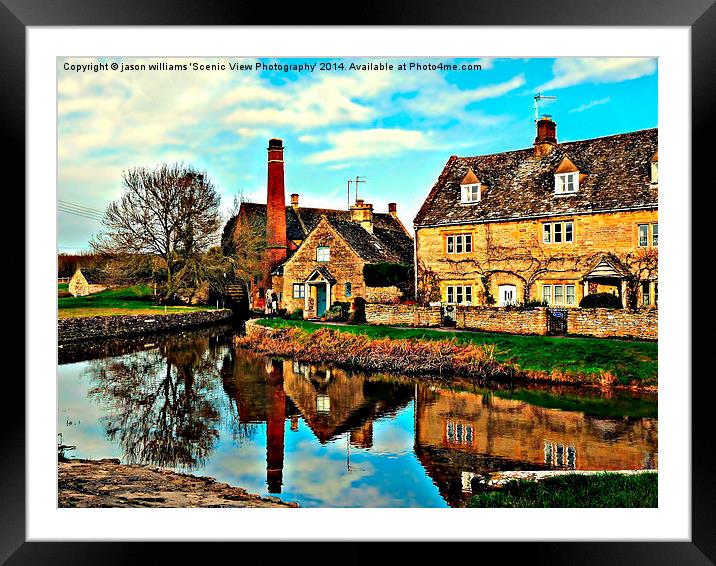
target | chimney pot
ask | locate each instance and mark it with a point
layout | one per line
(294, 200)
(393, 208)
(275, 143)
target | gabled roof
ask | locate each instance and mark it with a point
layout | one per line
(522, 184)
(322, 273)
(389, 241)
(607, 265)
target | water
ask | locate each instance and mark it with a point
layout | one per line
(326, 437)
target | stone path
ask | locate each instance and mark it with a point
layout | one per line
(107, 483)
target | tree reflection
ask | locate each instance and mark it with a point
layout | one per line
(161, 403)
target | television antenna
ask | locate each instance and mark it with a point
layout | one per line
(539, 96)
(359, 179)
(349, 193)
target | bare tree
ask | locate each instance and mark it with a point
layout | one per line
(170, 213)
(244, 241)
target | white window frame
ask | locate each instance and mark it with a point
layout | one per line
(301, 288)
(323, 257)
(655, 235)
(655, 172)
(458, 244)
(458, 294)
(549, 294)
(469, 192)
(562, 182)
(646, 235)
(549, 232)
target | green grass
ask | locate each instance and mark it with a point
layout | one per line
(630, 361)
(575, 490)
(137, 299)
(63, 286)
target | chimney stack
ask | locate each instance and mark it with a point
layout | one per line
(362, 212)
(275, 209)
(294, 200)
(392, 209)
(546, 138)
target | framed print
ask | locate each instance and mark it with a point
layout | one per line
(353, 278)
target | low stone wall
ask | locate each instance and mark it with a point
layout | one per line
(90, 327)
(382, 294)
(496, 319)
(402, 315)
(614, 323)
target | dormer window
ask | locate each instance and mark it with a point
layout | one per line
(471, 193)
(566, 178)
(655, 169)
(566, 183)
(470, 188)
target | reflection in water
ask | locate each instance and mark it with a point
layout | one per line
(324, 436)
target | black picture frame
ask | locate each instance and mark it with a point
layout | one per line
(698, 15)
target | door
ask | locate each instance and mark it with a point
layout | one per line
(320, 300)
(556, 322)
(507, 295)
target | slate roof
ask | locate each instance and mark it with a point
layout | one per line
(389, 241)
(521, 185)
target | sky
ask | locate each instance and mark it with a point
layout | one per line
(394, 127)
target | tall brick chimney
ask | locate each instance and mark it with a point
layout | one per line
(546, 138)
(275, 209)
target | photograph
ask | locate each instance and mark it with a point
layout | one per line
(358, 282)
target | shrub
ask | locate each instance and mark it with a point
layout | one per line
(386, 274)
(534, 303)
(338, 311)
(357, 311)
(601, 300)
(296, 315)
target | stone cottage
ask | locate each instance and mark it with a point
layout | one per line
(313, 257)
(79, 286)
(551, 223)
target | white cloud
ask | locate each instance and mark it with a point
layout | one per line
(590, 104)
(571, 71)
(376, 142)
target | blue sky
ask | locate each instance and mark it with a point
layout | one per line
(397, 128)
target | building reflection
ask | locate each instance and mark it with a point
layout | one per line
(461, 435)
(330, 402)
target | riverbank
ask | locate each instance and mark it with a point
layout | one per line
(554, 489)
(107, 483)
(93, 327)
(480, 355)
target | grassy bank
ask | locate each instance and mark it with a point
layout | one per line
(137, 299)
(576, 360)
(574, 490)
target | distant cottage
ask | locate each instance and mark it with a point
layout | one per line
(316, 256)
(79, 286)
(552, 223)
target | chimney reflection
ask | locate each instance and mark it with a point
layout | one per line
(275, 419)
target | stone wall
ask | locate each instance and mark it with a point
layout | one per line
(90, 327)
(382, 294)
(495, 319)
(611, 323)
(402, 315)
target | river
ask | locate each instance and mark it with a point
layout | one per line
(326, 437)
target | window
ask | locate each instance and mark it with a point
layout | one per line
(299, 290)
(558, 232)
(566, 183)
(559, 295)
(643, 231)
(656, 293)
(458, 294)
(470, 193)
(459, 243)
(645, 293)
(654, 172)
(323, 253)
(349, 289)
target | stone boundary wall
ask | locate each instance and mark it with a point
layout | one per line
(402, 315)
(497, 319)
(382, 294)
(91, 327)
(614, 323)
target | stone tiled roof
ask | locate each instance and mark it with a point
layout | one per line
(389, 241)
(521, 185)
